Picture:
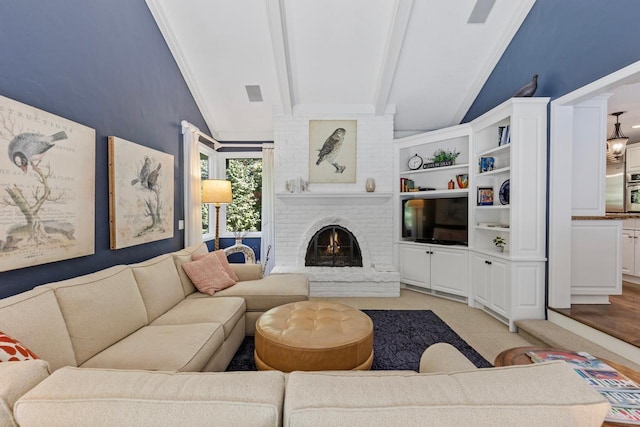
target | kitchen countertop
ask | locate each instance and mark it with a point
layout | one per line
(607, 216)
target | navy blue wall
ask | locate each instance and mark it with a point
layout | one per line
(569, 43)
(103, 64)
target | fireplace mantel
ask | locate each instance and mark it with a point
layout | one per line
(333, 198)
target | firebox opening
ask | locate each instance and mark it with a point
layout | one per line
(333, 246)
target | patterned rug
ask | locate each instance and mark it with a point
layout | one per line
(399, 338)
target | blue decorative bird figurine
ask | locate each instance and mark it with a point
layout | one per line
(529, 89)
(31, 147)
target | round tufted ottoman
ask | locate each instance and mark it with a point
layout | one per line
(313, 336)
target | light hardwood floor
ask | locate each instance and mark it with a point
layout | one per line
(485, 334)
(620, 318)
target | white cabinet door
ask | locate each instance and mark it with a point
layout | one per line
(499, 286)
(480, 271)
(414, 265)
(629, 243)
(596, 259)
(633, 157)
(491, 282)
(449, 271)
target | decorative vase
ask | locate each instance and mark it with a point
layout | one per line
(370, 185)
(500, 248)
(463, 180)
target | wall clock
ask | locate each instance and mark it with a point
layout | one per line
(415, 162)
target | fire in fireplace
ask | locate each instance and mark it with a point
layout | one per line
(333, 246)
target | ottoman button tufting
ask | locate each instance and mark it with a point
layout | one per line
(313, 336)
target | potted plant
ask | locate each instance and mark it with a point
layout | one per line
(442, 157)
(499, 242)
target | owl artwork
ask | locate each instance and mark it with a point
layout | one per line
(331, 148)
(332, 151)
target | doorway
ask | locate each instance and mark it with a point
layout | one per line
(565, 174)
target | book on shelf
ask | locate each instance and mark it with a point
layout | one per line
(622, 393)
(406, 185)
(504, 135)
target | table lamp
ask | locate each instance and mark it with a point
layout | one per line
(216, 192)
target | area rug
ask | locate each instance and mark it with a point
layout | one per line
(399, 339)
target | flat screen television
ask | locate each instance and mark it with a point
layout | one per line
(436, 220)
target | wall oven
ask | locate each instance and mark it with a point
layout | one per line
(633, 192)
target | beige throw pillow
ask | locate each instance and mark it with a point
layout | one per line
(208, 274)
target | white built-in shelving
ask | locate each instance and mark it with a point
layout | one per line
(509, 285)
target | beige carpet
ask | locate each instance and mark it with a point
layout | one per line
(484, 333)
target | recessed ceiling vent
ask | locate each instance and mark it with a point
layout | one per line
(254, 93)
(481, 11)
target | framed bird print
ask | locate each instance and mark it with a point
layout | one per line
(332, 151)
(47, 187)
(140, 194)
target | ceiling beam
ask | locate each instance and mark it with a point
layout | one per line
(395, 39)
(277, 28)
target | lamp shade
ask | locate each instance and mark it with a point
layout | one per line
(216, 191)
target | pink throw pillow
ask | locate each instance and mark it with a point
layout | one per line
(222, 257)
(12, 350)
(208, 274)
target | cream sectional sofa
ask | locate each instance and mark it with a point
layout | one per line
(124, 346)
(548, 394)
(145, 316)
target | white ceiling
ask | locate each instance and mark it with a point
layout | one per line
(420, 57)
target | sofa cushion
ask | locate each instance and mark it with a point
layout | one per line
(159, 284)
(526, 395)
(34, 318)
(208, 274)
(12, 350)
(17, 379)
(222, 258)
(269, 292)
(185, 348)
(247, 271)
(138, 398)
(183, 256)
(100, 309)
(226, 311)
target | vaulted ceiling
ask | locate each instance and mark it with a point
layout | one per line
(424, 59)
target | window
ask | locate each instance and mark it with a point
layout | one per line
(244, 170)
(244, 215)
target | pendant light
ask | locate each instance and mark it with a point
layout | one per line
(617, 142)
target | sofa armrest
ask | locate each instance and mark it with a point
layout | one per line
(247, 271)
(17, 379)
(443, 357)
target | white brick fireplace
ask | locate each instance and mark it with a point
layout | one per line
(368, 216)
